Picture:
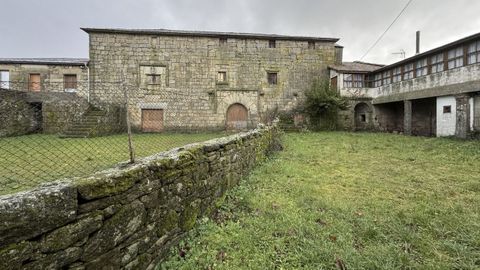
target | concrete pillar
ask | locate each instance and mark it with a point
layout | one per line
(407, 117)
(462, 125)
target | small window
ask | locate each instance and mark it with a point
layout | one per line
(222, 41)
(272, 44)
(222, 77)
(377, 80)
(272, 78)
(397, 74)
(387, 77)
(455, 58)
(70, 82)
(4, 79)
(447, 109)
(408, 71)
(474, 53)
(422, 68)
(154, 79)
(437, 63)
(34, 82)
(353, 81)
(311, 45)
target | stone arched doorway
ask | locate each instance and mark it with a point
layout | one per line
(237, 117)
(363, 116)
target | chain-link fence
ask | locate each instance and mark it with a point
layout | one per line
(61, 129)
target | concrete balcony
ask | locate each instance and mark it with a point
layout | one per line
(450, 82)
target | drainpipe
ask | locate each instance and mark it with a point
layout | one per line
(88, 82)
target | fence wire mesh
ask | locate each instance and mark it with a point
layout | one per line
(61, 129)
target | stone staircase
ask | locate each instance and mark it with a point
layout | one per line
(86, 126)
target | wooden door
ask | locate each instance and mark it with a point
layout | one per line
(237, 116)
(333, 83)
(152, 120)
(34, 82)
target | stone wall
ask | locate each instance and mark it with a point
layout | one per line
(127, 217)
(44, 112)
(51, 76)
(187, 68)
(17, 117)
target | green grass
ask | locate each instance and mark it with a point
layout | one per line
(363, 201)
(27, 161)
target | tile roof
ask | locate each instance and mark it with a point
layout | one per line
(356, 66)
(46, 61)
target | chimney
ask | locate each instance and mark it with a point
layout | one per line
(418, 43)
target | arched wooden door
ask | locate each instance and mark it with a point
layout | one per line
(237, 117)
(362, 117)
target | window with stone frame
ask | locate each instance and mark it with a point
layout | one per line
(397, 74)
(153, 76)
(70, 82)
(387, 77)
(272, 78)
(437, 63)
(311, 45)
(447, 109)
(272, 44)
(222, 77)
(455, 58)
(421, 67)
(473, 55)
(408, 71)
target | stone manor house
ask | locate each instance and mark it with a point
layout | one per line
(194, 80)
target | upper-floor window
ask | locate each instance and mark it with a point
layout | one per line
(272, 78)
(311, 44)
(387, 78)
(455, 58)
(34, 82)
(474, 53)
(408, 71)
(222, 77)
(272, 43)
(70, 82)
(422, 68)
(437, 63)
(4, 79)
(397, 74)
(222, 41)
(377, 82)
(353, 80)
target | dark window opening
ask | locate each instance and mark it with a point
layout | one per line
(363, 118)
(222, 41)
(272, 78)
(311, 44)
(272, 44)
(153, 78)
(447, 109)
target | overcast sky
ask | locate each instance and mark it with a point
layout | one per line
(50, 28)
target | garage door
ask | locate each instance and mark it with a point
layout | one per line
(152, 120)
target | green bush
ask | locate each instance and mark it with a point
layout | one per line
(322, 105)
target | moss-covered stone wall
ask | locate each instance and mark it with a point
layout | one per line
(129, 216)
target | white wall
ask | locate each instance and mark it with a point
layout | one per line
(446, 121)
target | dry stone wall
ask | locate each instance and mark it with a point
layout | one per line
(129, 216)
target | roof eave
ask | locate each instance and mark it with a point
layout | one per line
(206, 34)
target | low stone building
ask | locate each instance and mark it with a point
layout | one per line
(204, 80)
(45, 74)
(435, 93)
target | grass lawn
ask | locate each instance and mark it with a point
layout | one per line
(27, 161)
(356, 200)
